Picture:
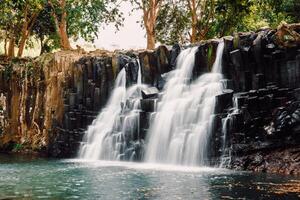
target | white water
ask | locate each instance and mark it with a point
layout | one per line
(226, 123)
(110, 137)
(181, 128)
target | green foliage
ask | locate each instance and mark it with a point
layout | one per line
(215, 18)
(44, 30)
(229, 16)
(84, 18)
(17, 147)
(172, 22)
(14, 13)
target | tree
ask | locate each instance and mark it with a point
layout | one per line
(17, 19)
(59, 13)
(31, 12)
(172, 23)
(202, 13)
(196, 20)
(50, 20)
(150, 10)
(73, 18)
(44, 30)
(230, 15)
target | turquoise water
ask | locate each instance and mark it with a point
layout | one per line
(26, 178)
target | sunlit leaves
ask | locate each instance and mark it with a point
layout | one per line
(85, 17)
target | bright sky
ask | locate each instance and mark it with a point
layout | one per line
(130, 36)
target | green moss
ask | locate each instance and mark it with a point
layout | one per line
(235, 41)
(17, 147)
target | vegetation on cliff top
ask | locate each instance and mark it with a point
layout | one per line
(54, 22)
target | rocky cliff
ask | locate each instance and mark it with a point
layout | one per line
(32, 100)
(47, 103)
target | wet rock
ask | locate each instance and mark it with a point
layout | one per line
(72, 100)
(151, 92)
(201, 61)
(223, 100)
(248, 80)
(263, 92)
(97, 105)
(174, 54)
(163, 59)
(252, 105)
(149, 70)
(236, 58)
(284, 161)
(227, 84)
(297, 94)
(240, 101)
(264, 103)
(145, 119)
(148, 105)
(131, 64)
(260, 81)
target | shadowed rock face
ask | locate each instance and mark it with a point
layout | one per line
(46, 104)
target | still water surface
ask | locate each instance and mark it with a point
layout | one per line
(25, 178)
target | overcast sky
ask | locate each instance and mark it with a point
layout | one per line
(130, 36)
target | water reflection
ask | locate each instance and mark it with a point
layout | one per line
(107, 180)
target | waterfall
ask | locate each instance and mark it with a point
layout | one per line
(227, 124)
(139, 78)
(180, 131)
(112, 135)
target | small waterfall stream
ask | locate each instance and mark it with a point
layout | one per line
(180, 131)
(229, 124)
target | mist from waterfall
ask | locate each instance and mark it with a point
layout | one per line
(180, 131)
(111, 135)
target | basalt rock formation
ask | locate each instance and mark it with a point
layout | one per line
(47, 103)
(32, 100)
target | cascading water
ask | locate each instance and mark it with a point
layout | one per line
(181, 128)
(112, 134)
(228, 124)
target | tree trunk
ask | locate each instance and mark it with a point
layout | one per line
(150, 15)
(22, 43)
(42, 45)
(150, 40)
(193, 35)
(11, 48)
(5, 46)
(149, 25)
(61, 25)
(26, 31)
(64, 39)
(193, 9)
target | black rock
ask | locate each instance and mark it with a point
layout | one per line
(148, 105)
